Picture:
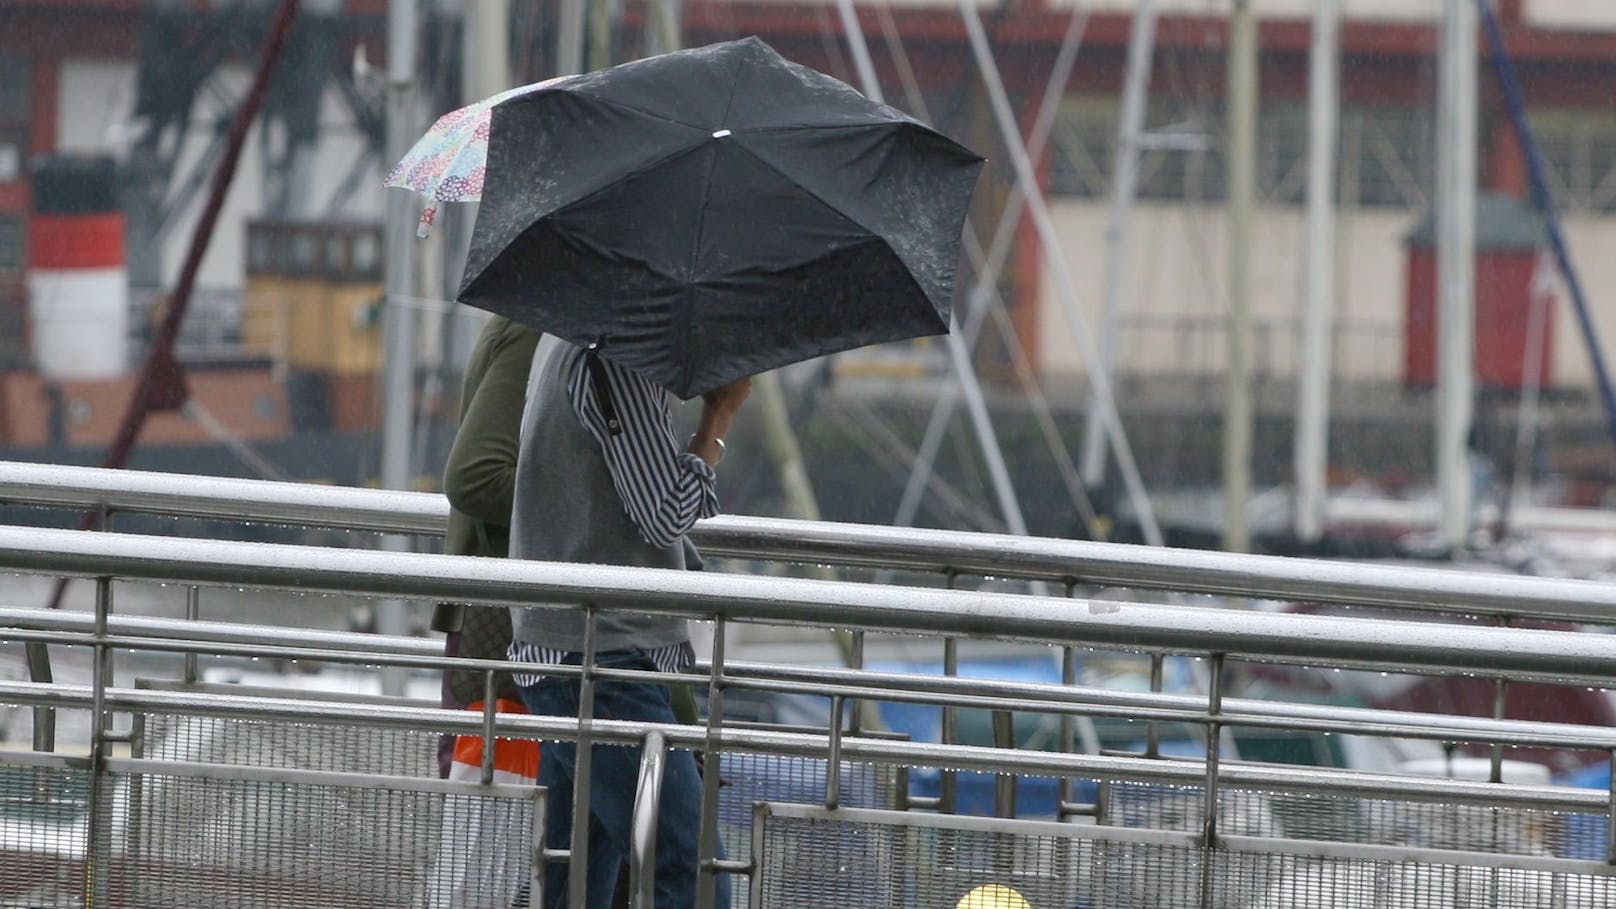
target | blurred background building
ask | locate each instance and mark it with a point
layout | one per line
(283, 341)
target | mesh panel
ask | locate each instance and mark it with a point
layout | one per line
(43, 825)
(815, 862)
(1293, 882)
(346, 749)
(187, 842)
(753, 778)
(1509, 830)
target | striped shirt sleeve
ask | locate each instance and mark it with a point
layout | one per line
(664, 488)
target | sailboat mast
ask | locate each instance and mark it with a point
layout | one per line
(1456, 268)
(1318, 313)
(1238, 408)
(1124, 187)
(399, 325)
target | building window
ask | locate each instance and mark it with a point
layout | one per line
(1579, 152)
(1083, 148)
(1387, 154)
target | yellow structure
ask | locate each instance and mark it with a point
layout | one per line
(993, 896)
(313, 296)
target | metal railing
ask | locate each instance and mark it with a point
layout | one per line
(1212, 831)
(944, 552)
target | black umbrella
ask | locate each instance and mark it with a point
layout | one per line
(715, 213)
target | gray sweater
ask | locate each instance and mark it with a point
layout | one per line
(566, 509)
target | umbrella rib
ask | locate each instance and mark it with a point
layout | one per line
(695, 254)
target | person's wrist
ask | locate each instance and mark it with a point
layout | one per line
(716, 441)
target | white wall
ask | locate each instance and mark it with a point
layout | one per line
(1176, 281)
(1590, 240)
(1586, 15)
(95, 101)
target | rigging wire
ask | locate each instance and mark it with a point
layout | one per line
(878, 440)
(1514, 102)
(985, 296)
(1066, 284)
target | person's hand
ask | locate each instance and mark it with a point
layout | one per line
(717, 411)
(729, 398)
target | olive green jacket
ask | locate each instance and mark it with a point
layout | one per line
(480, 476)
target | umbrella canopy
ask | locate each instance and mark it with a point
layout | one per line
(449, 161)
(715, 213)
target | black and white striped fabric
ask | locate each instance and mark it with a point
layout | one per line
(664, 488)
(672, 658)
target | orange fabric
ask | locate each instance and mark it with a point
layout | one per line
(519, 756)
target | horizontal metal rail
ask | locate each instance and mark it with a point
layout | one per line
(1561, 657)
(990, 555)
(993, 694)
(1261, 845)
(1186, 773)
(139, 633)
(223, 498)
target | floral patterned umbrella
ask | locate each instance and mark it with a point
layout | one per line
(449, 161)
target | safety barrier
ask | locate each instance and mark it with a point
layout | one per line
(269, 778)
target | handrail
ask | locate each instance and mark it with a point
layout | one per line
(1187, 772)
(142, 633)
(1563, 657)
(223, 498)
(941, 551)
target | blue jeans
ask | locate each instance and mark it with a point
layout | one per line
(614, 775)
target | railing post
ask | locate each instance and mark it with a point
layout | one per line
(647, 803)
(1064, 806)
(712, 767)
(578, 857)
(487, 769)
(1500, 695)
(193, 611)
(833, 761)
(538, 855)
(1068, 723)
(856, 713)
(1004, 784)
(1214, 737)
(1153, 728)
(948, 780)
(97, 848)
(39, 670)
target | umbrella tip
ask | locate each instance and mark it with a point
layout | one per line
(719, 134)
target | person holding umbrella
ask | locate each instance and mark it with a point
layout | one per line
(600, 478)
(676, 225)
